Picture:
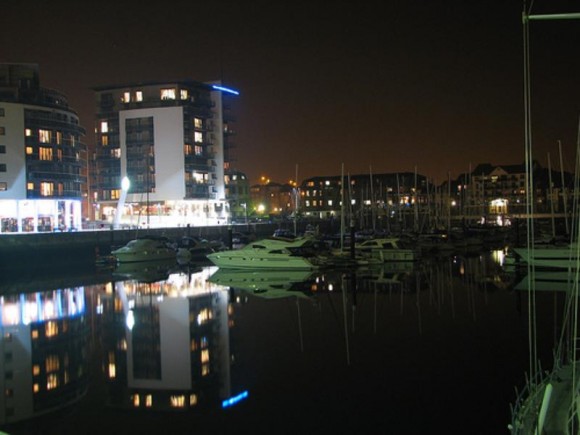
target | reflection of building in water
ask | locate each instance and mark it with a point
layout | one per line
(167, 342)
(44, 348)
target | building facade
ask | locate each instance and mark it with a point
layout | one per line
(43, 160)
(171, 141)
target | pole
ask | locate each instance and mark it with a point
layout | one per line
(551, 197)
(564, 196)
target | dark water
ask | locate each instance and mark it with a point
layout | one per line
(436, 346)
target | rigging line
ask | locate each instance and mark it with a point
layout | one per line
(529, 198)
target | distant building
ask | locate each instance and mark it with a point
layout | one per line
(368, 198)
(171, 140)
(43, 162)
(272, 199)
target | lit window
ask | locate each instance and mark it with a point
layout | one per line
(51, 328)
(197, 123)
(27, 132)
(45, 153)
(52, 363)
(136, 400)
(116, 153)
(35, 388)
(205, 356)
(30, 186)
(139, 96)
(330, 202)
(115, 193)
(198, 150)
(104, 127)
(51, 381)
(28, 150)
(184, 94)
(168, 94)
(46, 189)
(59, 138)
(177, 401)
(198, 137)
(44, 136)
(192, 399)
(187, 149)
(105, 140)
(126, 97)
(148, 401)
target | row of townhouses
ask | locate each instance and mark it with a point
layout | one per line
(162, 157)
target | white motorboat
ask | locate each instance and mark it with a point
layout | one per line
(146, 248)
(552, 256)
(272, 253)
(386, 250)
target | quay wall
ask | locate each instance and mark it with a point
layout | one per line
(83, 246)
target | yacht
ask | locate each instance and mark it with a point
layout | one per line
(146, 248)
(272, 253)
(386, 249)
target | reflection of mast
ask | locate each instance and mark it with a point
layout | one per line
(345, 320)
(299, 325)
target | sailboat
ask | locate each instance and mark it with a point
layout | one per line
(549, 402)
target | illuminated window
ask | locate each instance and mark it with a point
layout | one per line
(148, 400)
(35, 370)
(136, 400)
(45, 153)
(205, 370)
(168, 94)
(46, 189)
(184, 94)
(35, 388)
(105, 140)
(51, 381)
(44, 136)
(177, 401)
(126, 97)
(116, 153)
(192, 399)
(58, 138)
(115, 193)
(27, 132)
(193, 345)
(34, 332)
(198, 137)
(51, 328)
(205, 356)
(104, 127)
(187, 149)
(330, 202)
(139, 96)
(73, 140)
(198, 150)
(197, 123)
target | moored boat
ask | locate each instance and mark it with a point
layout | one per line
(146, 248)
(272, 253)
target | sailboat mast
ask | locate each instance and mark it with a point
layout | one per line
(564, 196)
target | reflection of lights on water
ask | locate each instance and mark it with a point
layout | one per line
(130, 321)
(233, 400)
(498, 256)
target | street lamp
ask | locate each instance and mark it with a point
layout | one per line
(125, 185)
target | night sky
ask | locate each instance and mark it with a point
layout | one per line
(379, 86)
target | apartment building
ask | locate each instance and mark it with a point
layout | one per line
(171, 142)
(43, 160)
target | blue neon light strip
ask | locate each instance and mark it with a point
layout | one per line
(233, 400)
(224, 89)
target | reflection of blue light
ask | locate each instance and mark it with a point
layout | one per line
(233, 400)
(224, 89)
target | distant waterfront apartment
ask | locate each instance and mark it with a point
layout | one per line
(43, 171)
(170, 141)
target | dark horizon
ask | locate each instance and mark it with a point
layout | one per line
(379, 86)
